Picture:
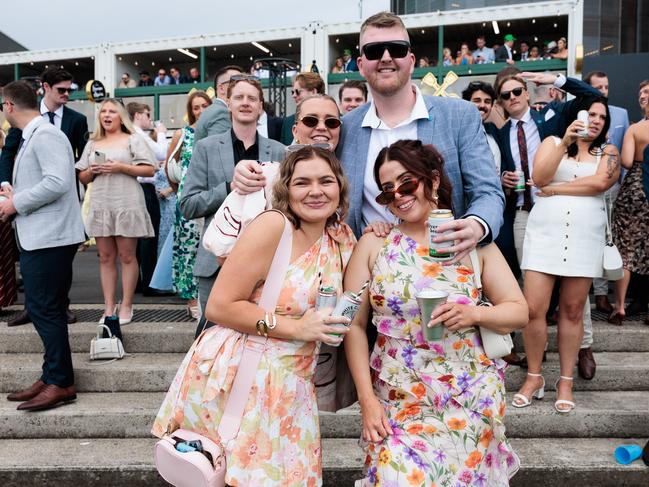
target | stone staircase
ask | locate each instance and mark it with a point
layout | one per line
(103, 438)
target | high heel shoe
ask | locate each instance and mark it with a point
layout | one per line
(523, 400)
(616, 318)
(126, 321)
(560, 402)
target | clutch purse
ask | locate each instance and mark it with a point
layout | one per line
(173, 167)
(106, 348)
(613, 267)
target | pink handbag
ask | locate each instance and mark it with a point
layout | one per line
(207, 468)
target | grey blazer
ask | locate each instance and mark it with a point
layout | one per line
(212, 165)
(214, 120)
(48, 211)
(454, 127)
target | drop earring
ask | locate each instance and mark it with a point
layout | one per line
(435, 196)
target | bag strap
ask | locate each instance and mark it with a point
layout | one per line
(254, 346)
(609, 234)
(475, 263)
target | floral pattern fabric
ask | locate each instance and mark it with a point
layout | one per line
(445, 400)
(187, 235)
(278, 443)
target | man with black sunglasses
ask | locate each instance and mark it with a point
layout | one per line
(57, 85)
(398, 110)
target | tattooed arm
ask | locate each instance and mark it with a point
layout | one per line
(608, 171)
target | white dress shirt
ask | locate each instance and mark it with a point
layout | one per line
(262, 125)
(532, 140)
(382, 136)
(58, 114)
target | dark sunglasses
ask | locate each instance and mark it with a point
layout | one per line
(243, 77)
(374, 50)
(406, 189)
(62, 91)
(506, 95)
(330, 122)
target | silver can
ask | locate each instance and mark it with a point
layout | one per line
(520, 185)
(437, 218)
(347, 306)
(327, 298)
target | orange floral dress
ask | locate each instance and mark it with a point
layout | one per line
(445, 400)
(278, 443)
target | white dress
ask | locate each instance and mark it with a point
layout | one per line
(565, 235)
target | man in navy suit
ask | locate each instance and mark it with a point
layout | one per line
(57, 85)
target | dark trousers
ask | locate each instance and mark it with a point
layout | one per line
(47, 277)
(147, 248)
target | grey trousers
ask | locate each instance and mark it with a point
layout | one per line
(520, 223)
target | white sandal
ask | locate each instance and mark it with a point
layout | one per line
(560, 402)
(523, 400)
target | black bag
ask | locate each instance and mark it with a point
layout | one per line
(112, 322)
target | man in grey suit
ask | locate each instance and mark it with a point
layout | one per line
(210, 172)
(399, 111)
(215, 119)
(48, 231)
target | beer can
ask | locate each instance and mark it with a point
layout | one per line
(347, 306)
(327, 298)
(582, 116)
(520, 185)
(435, 219)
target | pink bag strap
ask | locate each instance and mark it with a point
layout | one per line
(254, 347)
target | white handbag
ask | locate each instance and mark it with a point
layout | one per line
(495, 345)
(106, 348)
(612, 260)
(172, 167)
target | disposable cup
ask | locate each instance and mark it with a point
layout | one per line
(625, 454)
(428, 300)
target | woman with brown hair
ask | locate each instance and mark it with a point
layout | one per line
(279, 441)
(187, 235)
(112, 160)
(432, 410)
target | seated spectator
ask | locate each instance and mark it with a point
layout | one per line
(260, 72)
(534, 54)
(447, 58)
(350, 62)
(194, 76)
(525, 51)
(176, 78)
(424, 62)
(483, 54)
(505, 53)
(562, 49)
(162, 79)
(352, 94)
(465, 56)
(145, 79)
(127, 82)
(339, 66)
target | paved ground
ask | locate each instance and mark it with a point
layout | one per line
(86, 288)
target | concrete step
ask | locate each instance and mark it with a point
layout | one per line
(150, 372)
(616, 371)
(597, 415)
(144, 337)
(129, 463)
(142, 372)
(632, 337)
(131, 414)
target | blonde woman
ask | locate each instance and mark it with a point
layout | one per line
(112, 160)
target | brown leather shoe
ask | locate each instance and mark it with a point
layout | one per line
(586, 363)
(51, 396)
(513, 358)
(72, 318)
(27, 394)
(602, 304)
(21, 318)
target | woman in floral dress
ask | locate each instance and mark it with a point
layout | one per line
(279, 439)
(432, 411)
(187, 235)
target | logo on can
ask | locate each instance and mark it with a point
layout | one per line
(437, 218)
(520, 185)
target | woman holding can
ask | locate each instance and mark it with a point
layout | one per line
(432, 409)
(279, 441)
(565, 237)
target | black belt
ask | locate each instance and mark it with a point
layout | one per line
(524, 208)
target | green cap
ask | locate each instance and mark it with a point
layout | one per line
(509, 37)
(347, 52)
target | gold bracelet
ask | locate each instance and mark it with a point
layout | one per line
(262, 324)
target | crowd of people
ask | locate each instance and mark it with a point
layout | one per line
(344, 188)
